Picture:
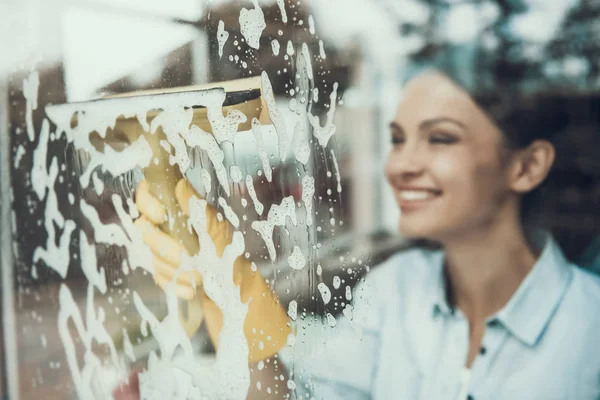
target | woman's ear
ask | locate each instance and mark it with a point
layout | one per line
(532, 165)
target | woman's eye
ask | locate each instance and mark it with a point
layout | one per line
(442, 139)
(397, 140)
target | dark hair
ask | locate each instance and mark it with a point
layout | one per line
(524, 118)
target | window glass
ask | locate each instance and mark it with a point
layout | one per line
(191, 191)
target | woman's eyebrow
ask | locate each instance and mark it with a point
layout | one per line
(394, 126)
(428, 123)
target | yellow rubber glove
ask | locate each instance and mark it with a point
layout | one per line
(266, 326)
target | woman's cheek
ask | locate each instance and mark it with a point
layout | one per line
(448, 171)
(456, 177)
(390, 168)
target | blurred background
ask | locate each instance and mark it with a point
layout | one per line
(87, 49)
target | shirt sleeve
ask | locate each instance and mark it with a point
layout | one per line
(337, 362)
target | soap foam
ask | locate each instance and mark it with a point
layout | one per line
(222, 36)
(258, 206)
(252, 24)
(276, 217)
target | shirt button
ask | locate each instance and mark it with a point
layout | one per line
(482, 350)
(469, 397)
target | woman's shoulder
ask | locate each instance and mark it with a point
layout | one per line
(577, 320)
(577, 315)
(584, 292)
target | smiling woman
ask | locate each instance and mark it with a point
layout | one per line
(196, 188)
(485, 314)
(452, 163)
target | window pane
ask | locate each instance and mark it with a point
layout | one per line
(195, 193)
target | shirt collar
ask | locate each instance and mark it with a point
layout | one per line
(532, 306)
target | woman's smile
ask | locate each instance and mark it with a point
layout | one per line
(412, 198)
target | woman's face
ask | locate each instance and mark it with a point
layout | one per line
(447, 167)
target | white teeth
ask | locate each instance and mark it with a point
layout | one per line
(415, 194)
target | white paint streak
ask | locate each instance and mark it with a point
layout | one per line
(196, 137)
(165, 145)
(322, 50)
(41, 177)
(336, 282)
(31, 85)
(290, 48)
(258, 206)
(229, 213)
(307, 61)
(222, 36)
(348, 312)
(331, 320)
(325, 292)
(137, 154)
(275, 47)
(293, 310)
(98, 184)
(252, 24)
(55, 256)
(296, 260)
(206, 180)
(18, 156)
(236, 173)
(275, 115)
(276, 217)
(308, 192)
(260, 145)
(87, 253)
(281, 4)
(300, 144)
(97, 377)
(324, 133)
(123, 234)
(175, 122)
(134, 213)
(337, 171)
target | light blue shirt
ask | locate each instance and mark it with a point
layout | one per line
(403, 341)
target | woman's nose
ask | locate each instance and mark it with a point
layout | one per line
(407, 161)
